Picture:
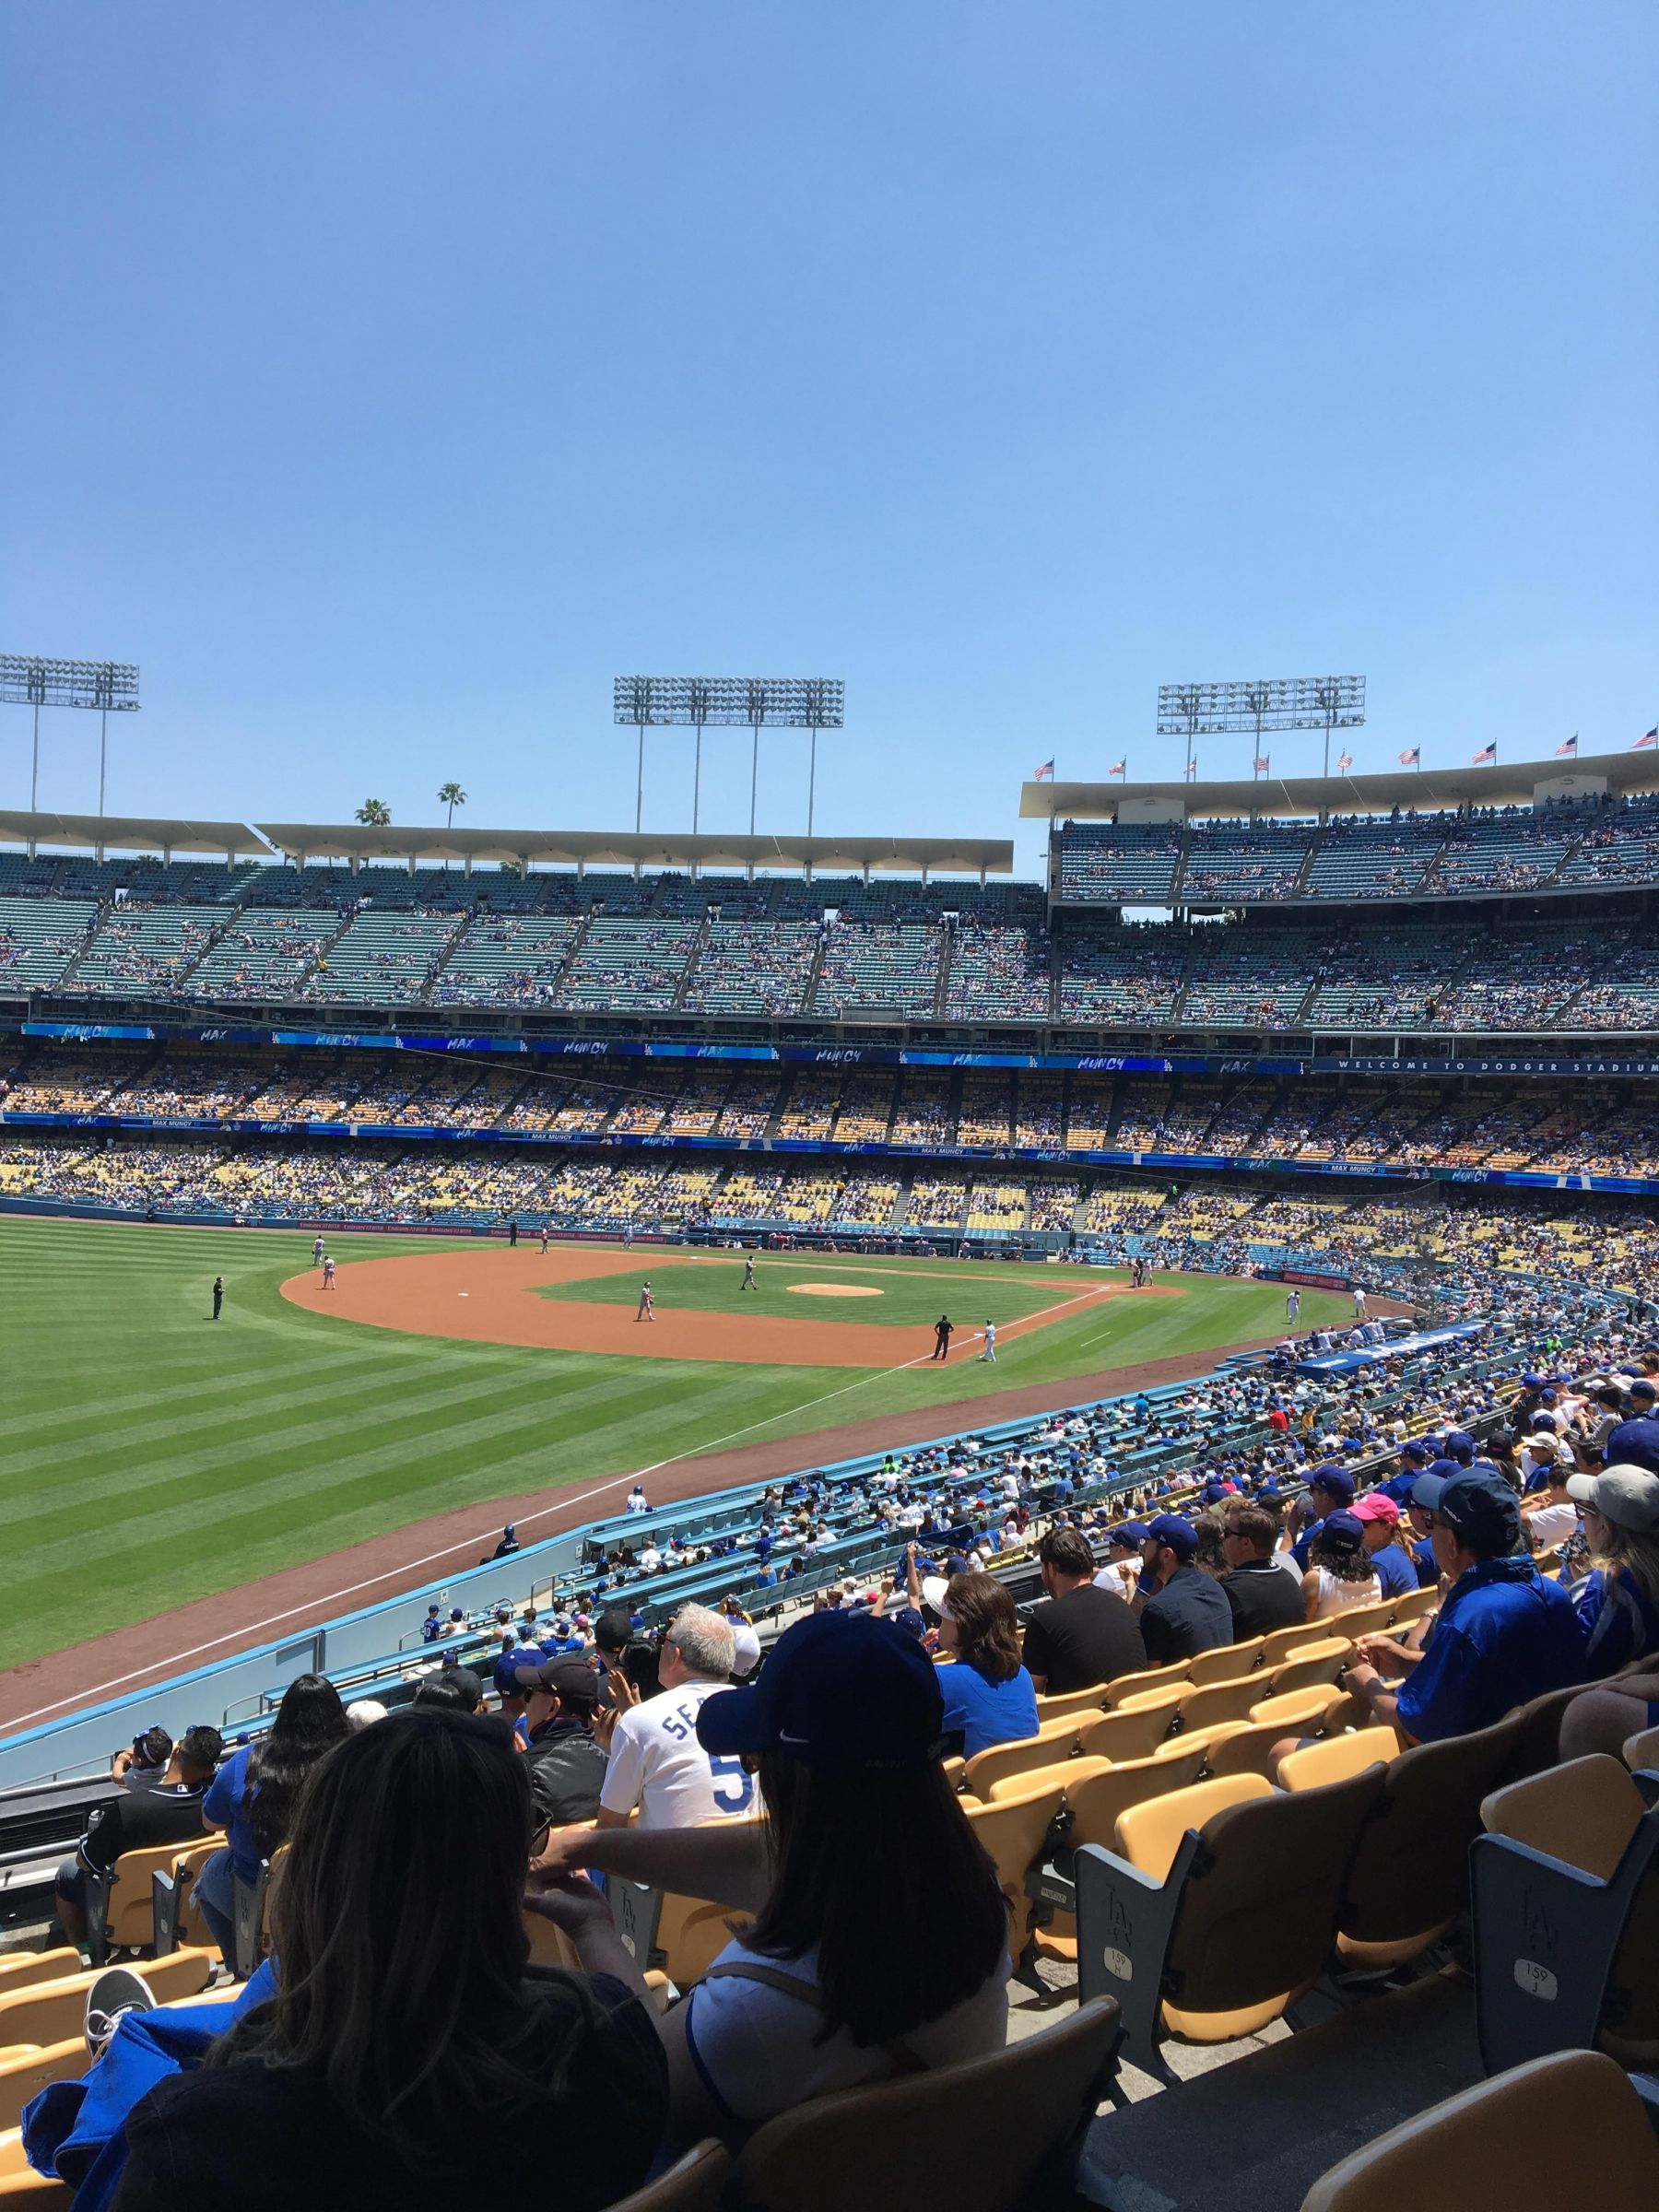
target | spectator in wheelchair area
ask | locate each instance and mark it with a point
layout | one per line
(255, 1792)
(143, 1764)
(988, 1694)
(837, 1980)
(408, 2046)
(167, 1810)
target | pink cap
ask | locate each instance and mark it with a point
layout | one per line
(1376, 1505)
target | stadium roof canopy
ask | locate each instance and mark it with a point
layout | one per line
(627, 848)
(1507, 784)
(131, 833)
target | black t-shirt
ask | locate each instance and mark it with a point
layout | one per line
(1262, 1597)
(141, 1818)
(253, 2138)
(1189, 1615)
(1086, 1637)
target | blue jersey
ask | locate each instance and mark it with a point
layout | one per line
(1503, 1636)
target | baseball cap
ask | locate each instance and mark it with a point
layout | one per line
(1337, 1482)
(1377, 1505)
(572, 1680)
(1131, 1536)
(1532, 1381)
(1180, 1535)
(1543, 1419)
(1417, 1447)
(1629, 1497)
(1460, 1446)
(1345, 1526)
(746, 1650)
(1634, 1444)
(1475, 1503)
(841, 1692)
(1643, 1389)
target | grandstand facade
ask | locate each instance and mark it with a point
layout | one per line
(1337, 1000)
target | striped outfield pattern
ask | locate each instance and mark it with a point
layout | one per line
(148, 1456)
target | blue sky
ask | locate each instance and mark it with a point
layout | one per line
(385, 379)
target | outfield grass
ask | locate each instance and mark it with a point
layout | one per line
(150, 1456)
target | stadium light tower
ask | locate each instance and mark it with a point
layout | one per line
(805, 703)
(109, 687)
(1298, 702)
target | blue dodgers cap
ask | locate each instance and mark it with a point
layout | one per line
(1460, 1446)
(840, 1691)
(1477, 1505)
(1532, 1381)
(1337, 1482)
(1132, 1536)
(1426, 1491)
(1348, 1528)
(1417, 1448)
(1180, 1535)
(1634, 1444)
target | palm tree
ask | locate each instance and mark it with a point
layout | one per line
(375, 813)
(451, 795)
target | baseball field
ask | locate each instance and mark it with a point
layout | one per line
(151, 1456)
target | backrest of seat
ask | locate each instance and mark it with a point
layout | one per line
(1411, 1871)
(1141, 1685)
(1486, 2147)
(1012, 1832)
(1069, 1701)
(1226, 1663)
(1130, 1735)
(25, 1968)
(1148, 1835)
(693, 2183)
(1098, 1800)
(987, 2125)
(1245, 1747)
(1220, 1702)
(1053, 1740)
(36, 2191)
(1294, 1708)
(1336, 1758)
(1539, 1743)
(1317, 1664)
(1258, 1915)
(1359, 1620)
(1584, 1814)
(22, 2079)
(1278, 1645)
(1641, 1753)
(131, 1920)
(47, 2013)
(1065, 1774)
(1414, 1605)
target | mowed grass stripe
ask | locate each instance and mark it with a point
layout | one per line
(148, 1456)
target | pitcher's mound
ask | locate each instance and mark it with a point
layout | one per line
(832, 1290)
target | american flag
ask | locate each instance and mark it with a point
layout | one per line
(1345, 763)
(1045, 775)
(1192, 769)
(1411, 759)
(1479, 759)
(1263, 764)
(1570, 750)
(1119, 767)
(1652, 738)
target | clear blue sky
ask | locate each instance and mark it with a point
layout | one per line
(386, 378)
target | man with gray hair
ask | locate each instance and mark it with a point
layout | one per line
(656, 1762)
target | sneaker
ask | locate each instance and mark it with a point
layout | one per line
(117, 1991)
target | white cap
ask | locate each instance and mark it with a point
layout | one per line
(745, 1651)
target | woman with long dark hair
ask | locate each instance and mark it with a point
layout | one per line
(408, 2045)
(254, 1794)
(1340, 1574)
(988, 1694)
(878, 1941)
